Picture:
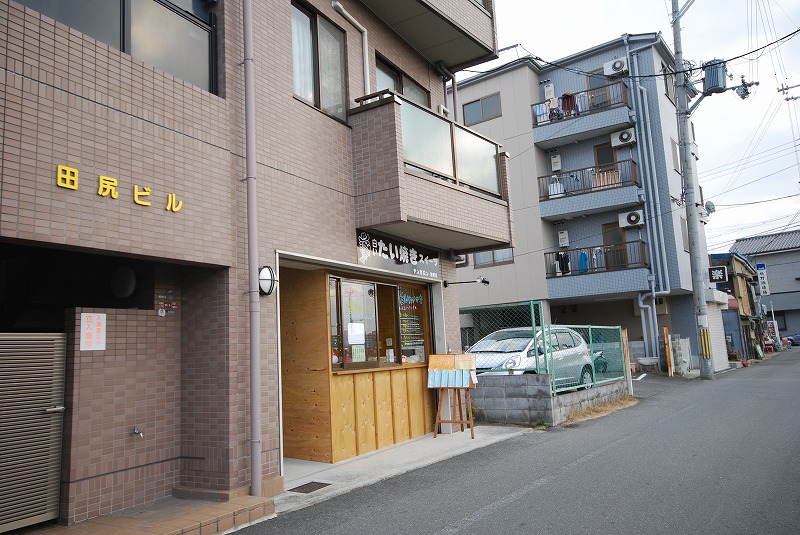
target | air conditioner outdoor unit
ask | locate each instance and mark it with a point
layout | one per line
(616, 67)
(634, 218)
(623, 137)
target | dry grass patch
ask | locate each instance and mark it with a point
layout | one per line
(600, 410)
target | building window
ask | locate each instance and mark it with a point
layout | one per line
(599, 91)
(482, 110)
(669, 82)
(676, 156)
(498, 256)
(318, 60)
(605, 157)
(781, 319)
(387, 77)
(176, 36)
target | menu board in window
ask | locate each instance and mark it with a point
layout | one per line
(413, 324)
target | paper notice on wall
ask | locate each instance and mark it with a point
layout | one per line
(355, 333)
(465, 362)
(358, 353)
(93, 331)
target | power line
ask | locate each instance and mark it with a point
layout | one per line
(753, 181)
(671, 73)
(757, 202)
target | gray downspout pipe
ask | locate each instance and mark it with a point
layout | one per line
(447, 74)
(339, 8)
(252, 252)
(644, 309)
(665, 285)
(655, 229)
(651, 338)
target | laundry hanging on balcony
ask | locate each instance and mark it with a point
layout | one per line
(562, 263)
(569, 104)
(583, 262)
(555, 109)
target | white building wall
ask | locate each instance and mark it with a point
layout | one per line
(524, 280)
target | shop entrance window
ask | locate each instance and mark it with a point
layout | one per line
(377, 324)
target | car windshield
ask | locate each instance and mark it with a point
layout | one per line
(503, 342)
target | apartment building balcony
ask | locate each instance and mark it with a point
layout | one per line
(459, 34)
(422, 177)
(598, 270)
(589, 190)
(575, 117)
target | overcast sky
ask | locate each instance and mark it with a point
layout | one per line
(748, 148)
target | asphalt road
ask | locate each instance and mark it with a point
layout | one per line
(710, 457)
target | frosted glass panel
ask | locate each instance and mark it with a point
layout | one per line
(477, 163)
(426, 140)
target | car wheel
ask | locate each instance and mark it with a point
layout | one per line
(586, 377)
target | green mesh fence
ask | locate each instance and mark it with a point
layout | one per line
(477, 322)
(511, 339)
(604, 344)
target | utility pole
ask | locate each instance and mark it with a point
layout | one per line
(690, 183)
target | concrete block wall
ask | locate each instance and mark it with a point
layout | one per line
(527, 399)
(518, 399)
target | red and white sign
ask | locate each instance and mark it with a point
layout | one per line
(93, 331)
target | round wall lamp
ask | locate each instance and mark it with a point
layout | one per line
(266, 280)
(123, 282)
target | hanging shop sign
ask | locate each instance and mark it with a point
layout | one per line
(387, 253)
(763, 283)
(717, 274)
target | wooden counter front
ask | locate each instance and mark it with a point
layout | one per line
(332, 415)
(376, 408)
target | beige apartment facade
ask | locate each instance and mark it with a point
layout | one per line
(125, 308)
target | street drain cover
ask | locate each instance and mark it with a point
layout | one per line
(309, 487)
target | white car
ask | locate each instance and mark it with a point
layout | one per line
(513, 351)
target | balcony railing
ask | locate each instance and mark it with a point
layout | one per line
(567, 262)
(573, 105)
(437, 147)
(588, 179)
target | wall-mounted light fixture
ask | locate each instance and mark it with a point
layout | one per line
(483, 280)
(266, 280)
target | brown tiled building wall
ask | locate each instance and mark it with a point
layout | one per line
(470, 16)
(183, 379)
(134, 383)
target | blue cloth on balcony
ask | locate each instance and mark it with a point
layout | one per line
(583, 263)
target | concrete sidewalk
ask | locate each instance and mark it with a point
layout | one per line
(173, 516)
(378, 465)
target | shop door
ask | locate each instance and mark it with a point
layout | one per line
(614, 245)
(31, 421)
